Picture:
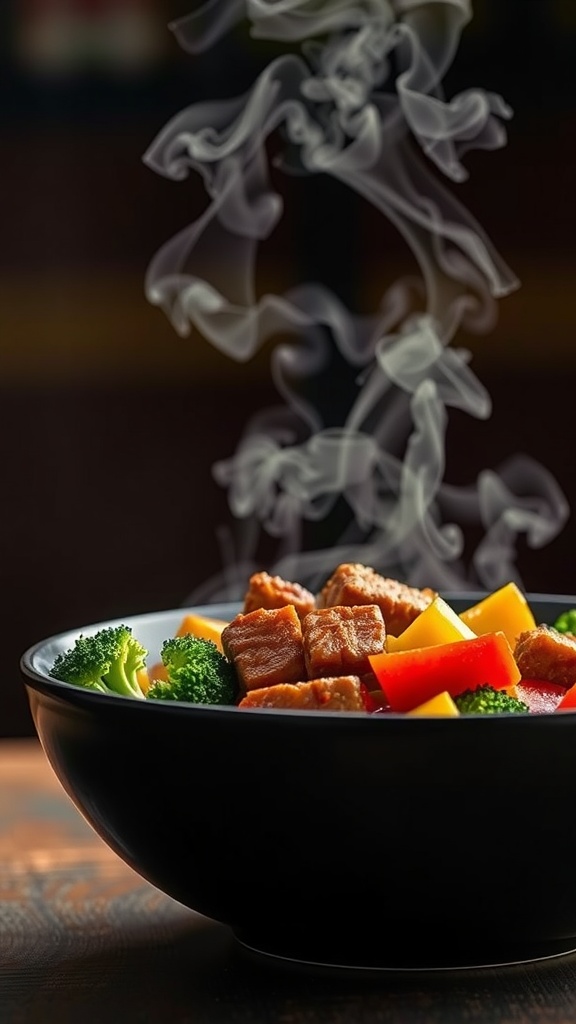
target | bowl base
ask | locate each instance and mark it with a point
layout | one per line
(261, 954)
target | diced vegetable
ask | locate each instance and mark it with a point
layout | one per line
(441, 705)
(143, 680)
(566, 622)
(541, 696)
(505, 609)
(437, 624)
(409, 678)
(568, 699)
(487, 700)
(202, 626)
(512, 691)
(157, 671)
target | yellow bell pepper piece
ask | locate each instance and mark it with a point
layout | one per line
(437, 624)
(441, 704)
(143, 680)
(203, 626)
(505, 610)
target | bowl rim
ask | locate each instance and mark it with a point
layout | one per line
(40, 681)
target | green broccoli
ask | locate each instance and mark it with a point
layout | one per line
(566, 622)
(197, 672)
(107, 661)
(486, 700)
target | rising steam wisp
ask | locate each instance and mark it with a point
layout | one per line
(361, 100)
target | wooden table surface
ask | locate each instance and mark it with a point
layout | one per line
(84, 939)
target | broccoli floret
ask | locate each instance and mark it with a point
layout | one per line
(197, 672)
(107, 661)
(566, 622)
(486, 700)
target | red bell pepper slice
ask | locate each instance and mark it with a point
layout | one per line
(409, 678)
(567, 701)
(540, 695)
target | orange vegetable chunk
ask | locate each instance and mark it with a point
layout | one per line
(143, 679)
(410, 678)
(203, 626)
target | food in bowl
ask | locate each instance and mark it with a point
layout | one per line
(328, 838)
(365, 644)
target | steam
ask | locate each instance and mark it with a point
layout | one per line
(361, 101)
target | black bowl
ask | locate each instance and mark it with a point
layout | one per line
(374, 842)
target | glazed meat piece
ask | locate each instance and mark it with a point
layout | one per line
(265, 591)
(338, 640)
(544, 653)
(353, 584)
(340, 693)
(266, 647)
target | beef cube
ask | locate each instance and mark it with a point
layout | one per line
(544, 653)
(353, 584)
(265, 591)
(340, 693)
(339, 640)
(266, 647)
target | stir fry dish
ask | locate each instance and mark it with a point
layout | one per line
(364, 643)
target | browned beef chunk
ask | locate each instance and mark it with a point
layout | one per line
(340, 693)
(353, 584)
(266, 647)
(265, 591)
(339, 640)
(544, 653)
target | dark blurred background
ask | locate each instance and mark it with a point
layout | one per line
(110, 422)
